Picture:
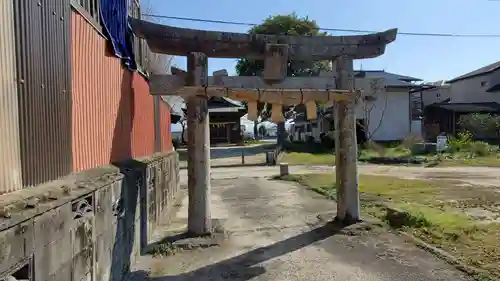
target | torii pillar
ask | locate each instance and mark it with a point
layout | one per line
(198, 148)
(346, 171)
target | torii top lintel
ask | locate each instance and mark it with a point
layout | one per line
(216, 44)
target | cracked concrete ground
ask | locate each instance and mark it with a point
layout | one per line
(276, 235)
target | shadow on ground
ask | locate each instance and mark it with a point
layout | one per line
(242, 267)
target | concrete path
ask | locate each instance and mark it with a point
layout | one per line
(275, 234)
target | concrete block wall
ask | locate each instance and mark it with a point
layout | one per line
(90, 225)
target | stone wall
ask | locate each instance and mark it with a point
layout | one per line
(89, 225)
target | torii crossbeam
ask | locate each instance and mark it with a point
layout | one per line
(274, 87)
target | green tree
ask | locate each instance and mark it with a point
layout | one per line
(288, 25)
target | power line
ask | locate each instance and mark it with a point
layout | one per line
(331, 29)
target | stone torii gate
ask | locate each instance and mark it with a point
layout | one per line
(274, 87)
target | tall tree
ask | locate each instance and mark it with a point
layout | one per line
(290, 24)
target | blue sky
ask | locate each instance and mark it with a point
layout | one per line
(428, 58)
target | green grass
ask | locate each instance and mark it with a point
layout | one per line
(254, 142)
(478, 154)
(303, 158)
(398, 151)
(434, 210)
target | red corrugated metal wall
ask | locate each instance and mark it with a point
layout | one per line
(165, 130)
(143, 128)
(112, 109)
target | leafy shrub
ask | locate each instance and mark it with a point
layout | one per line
(480, 148)
(411, 140)
(481, 125)
(402, 151)
(461, 143)
(379, 149)
(464, 143)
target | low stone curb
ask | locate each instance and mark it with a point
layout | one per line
(440, 253)
(449, 258)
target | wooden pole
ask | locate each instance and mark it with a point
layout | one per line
(199, 218)
(346, 146)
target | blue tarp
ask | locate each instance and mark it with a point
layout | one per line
(114, 17)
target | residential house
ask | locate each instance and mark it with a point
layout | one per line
(435, 92)
(473, 92)
(383, 113)
(479, 86)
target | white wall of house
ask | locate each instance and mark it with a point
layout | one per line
(388, 116)
(416, 128)
(473, 90)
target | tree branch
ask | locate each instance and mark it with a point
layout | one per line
(375, 88)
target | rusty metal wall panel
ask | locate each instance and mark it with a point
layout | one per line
(165, 127)
(143, 132)
(43, 72)
(102, 105)
(10, 155)
(157, 118)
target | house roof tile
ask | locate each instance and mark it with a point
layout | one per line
(392, 79)
(481, 71)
